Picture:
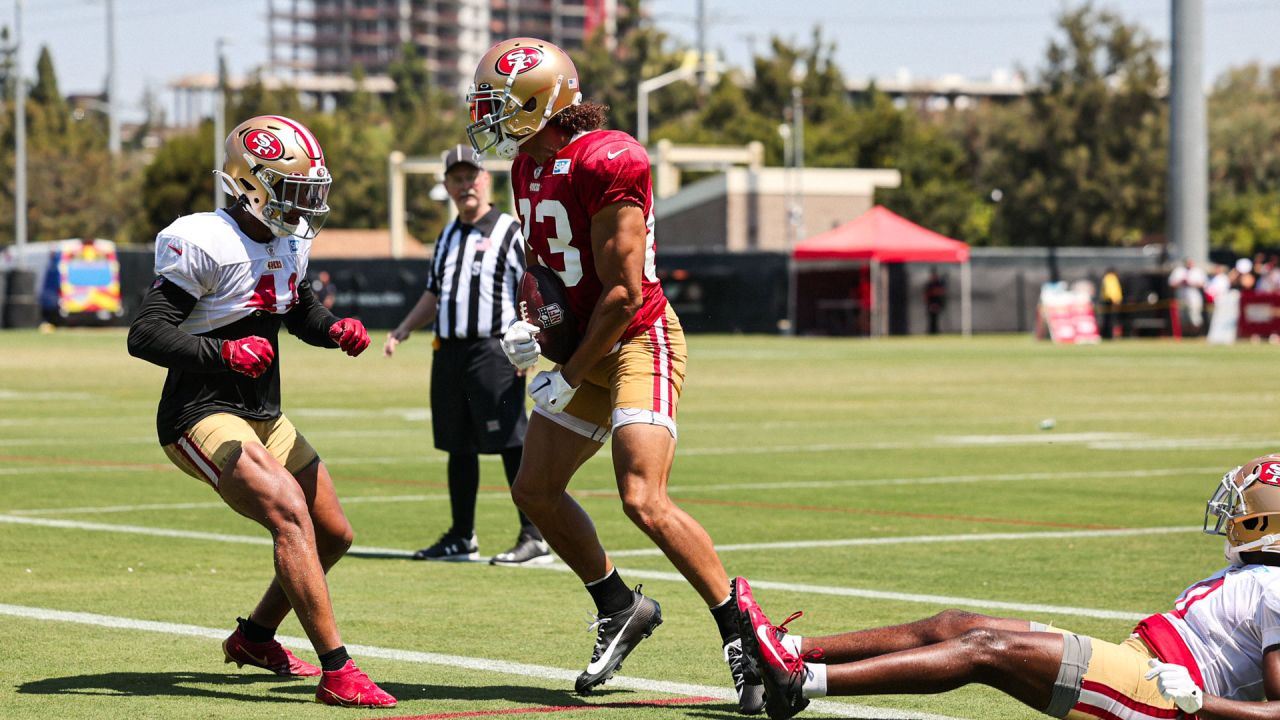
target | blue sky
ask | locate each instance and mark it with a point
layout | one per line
(158, 40)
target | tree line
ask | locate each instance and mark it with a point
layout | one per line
(1079, 160)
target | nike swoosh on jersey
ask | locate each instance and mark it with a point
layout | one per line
(616, 153)
(598, 665)
(762, 633)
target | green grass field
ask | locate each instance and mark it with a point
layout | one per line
(865, 482)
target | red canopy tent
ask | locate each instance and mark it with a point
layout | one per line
(881, 236)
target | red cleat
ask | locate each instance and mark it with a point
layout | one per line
(269, 655)
(781, 670)
(350, 687)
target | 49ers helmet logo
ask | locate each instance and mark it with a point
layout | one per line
(518, 60)
(1269, 473)
(263, 144)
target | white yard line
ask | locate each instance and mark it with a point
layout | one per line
(716, 487)
(629, 572)
(172, 533)
(102, 509)
(453, 662)
(947, 479)
(919, 539)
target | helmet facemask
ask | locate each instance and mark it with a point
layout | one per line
(520, 84)
(1242, 507)
(274, 166)
(295, 205)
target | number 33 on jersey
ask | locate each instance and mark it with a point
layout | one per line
(230, 275)
(556, 201)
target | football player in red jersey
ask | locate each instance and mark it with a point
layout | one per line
(1215, 655)
(585, 199)
(225, 283)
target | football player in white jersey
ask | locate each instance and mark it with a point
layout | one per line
(225, 282)
(1215, 655)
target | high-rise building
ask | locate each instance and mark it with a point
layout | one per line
(332, 37)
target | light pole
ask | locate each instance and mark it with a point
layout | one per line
(220, 125)
(689, 68)
(786, 132)
(19, 134)
(798, 74)
(113, 119)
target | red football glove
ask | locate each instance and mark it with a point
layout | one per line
(249, 355)
(350, 335)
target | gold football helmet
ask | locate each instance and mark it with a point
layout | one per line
(276, 165)
(1243, 505)
(519, 85)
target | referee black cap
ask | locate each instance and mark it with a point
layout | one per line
(461, 154)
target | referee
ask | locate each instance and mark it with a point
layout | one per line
(477, 398)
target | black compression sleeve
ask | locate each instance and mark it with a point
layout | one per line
(155, 336)
(310, 321)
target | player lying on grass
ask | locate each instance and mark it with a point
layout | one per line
(1215, 655)
(225, 283)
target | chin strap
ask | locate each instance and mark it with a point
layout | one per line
(228, 184)
(1261, 542)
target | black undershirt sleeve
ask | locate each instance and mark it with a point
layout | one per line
(310, 321)
(156, 338)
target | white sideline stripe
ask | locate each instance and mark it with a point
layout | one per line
(916, 539)
(646, 574)
(808, 484)
(55, 469)
(949, 479)
(503, 667)
(943, 600)
(359, 499)
(166, 532)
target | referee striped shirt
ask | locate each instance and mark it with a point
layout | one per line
(476, 274)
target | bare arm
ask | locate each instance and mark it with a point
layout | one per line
(423, 312)
(618, 235)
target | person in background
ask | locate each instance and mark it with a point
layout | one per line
(1187, 282)
(322, 286)
(1112, 296)
(935, 299)
(477, 398)
(1244, 278)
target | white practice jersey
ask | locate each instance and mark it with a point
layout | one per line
(229, 274)
(1226, 621)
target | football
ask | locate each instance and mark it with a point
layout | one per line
(545, 302)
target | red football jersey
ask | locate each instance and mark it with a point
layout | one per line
(556, 201)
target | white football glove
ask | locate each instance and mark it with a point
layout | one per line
(1175, 683)
(550, 391)
(520, 346)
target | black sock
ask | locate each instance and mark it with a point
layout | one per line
(253, 632)
(511, 464)
(611, 594)
(726, 617)
(335, 659)
(464, 483)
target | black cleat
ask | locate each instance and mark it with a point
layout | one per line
(451, 547)
(528, 550)
(746, 681)
(616, 636)
(781, 671)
